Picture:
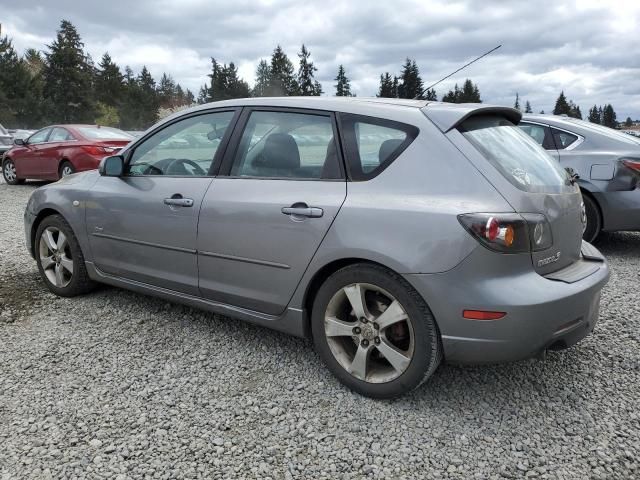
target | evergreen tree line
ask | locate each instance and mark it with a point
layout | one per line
(63, 85)
(605, 115)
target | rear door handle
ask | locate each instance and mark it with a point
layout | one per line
(311, 212)
(179, 202)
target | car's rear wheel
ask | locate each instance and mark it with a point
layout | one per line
(374, 331)
(60, 260)
(593, 225)
(66, 168)
(9, 172)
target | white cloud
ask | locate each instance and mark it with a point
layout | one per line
(584, 47)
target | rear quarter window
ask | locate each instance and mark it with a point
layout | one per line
(372, 144)
(516, 155)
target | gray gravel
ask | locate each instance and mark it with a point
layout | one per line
(118, 385)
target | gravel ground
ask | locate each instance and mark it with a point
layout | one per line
(119, 385)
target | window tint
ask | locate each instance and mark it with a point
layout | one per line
(515, 154)
(184, 148)
(563, 139)
(39, 136)
(287, 145)
(60, 135)
(373, 143)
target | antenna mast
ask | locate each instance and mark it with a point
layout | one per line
(461, 68)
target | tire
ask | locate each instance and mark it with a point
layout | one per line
(66, 168)
(9, 172)
(594, 219)
(339, 337)
(61, 263)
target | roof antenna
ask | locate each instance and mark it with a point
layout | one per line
(453, 73)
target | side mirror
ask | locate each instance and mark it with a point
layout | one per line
(111, 166)
(18, 141)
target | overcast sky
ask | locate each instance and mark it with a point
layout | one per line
(588, 48)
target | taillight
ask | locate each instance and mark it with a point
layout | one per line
(632, 163)
(509, 232)
(94, 150)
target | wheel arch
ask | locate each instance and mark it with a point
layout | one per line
(322, 274)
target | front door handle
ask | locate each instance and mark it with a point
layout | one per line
(176, 201)
(311, 212)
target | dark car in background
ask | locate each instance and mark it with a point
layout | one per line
(607, 165)
(56, 151)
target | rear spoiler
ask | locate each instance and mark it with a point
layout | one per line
(447, 116)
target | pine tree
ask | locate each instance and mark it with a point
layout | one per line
(388, 86)
(343, 87)
(562, 105)
(167, 92)
(36, 106)
(628, 122)
(541, 112)
(609, 117)
(574, 110)
(516, 105)
(148, 99)
(203, 95)
(263, 76)
(282, 80)
(225, 83)
(470, 93)
(431, 95)
(594, 115)
(68, 77)
(307, 84)
(109, 82)
(410, 84)
(527, 107)
(14, 85)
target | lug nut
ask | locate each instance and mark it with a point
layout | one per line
(356, 330)
(376, 326)
(363, 320)
(377, 340)
(365, 343)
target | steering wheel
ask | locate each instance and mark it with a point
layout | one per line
(197, 170)
(149, 170)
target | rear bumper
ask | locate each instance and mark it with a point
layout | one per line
(541, 313)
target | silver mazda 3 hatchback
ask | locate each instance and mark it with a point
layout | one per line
(396, 234)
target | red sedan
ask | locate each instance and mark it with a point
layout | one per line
(60, 150)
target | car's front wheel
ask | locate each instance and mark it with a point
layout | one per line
(374, 331)
(9, 173)
(60, 259)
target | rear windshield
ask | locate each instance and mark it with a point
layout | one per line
(515, 154)
(103, 133)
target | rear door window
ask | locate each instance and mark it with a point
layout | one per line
(563, 139)
(60, 135)
(372, 144)
(515, 154)
(540, 133)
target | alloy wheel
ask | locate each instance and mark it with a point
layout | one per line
(10, 171)
(55, 257)
(369, 333)
(66, 170)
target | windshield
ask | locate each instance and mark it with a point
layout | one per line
(103, 133)
(515, 154)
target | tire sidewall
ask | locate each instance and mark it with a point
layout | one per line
(64, 164)
(4, 164)
(424, 330)
(75, 284)
(594, 220)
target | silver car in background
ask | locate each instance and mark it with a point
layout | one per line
(607, 165)
(6, 141)
(393, 233)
